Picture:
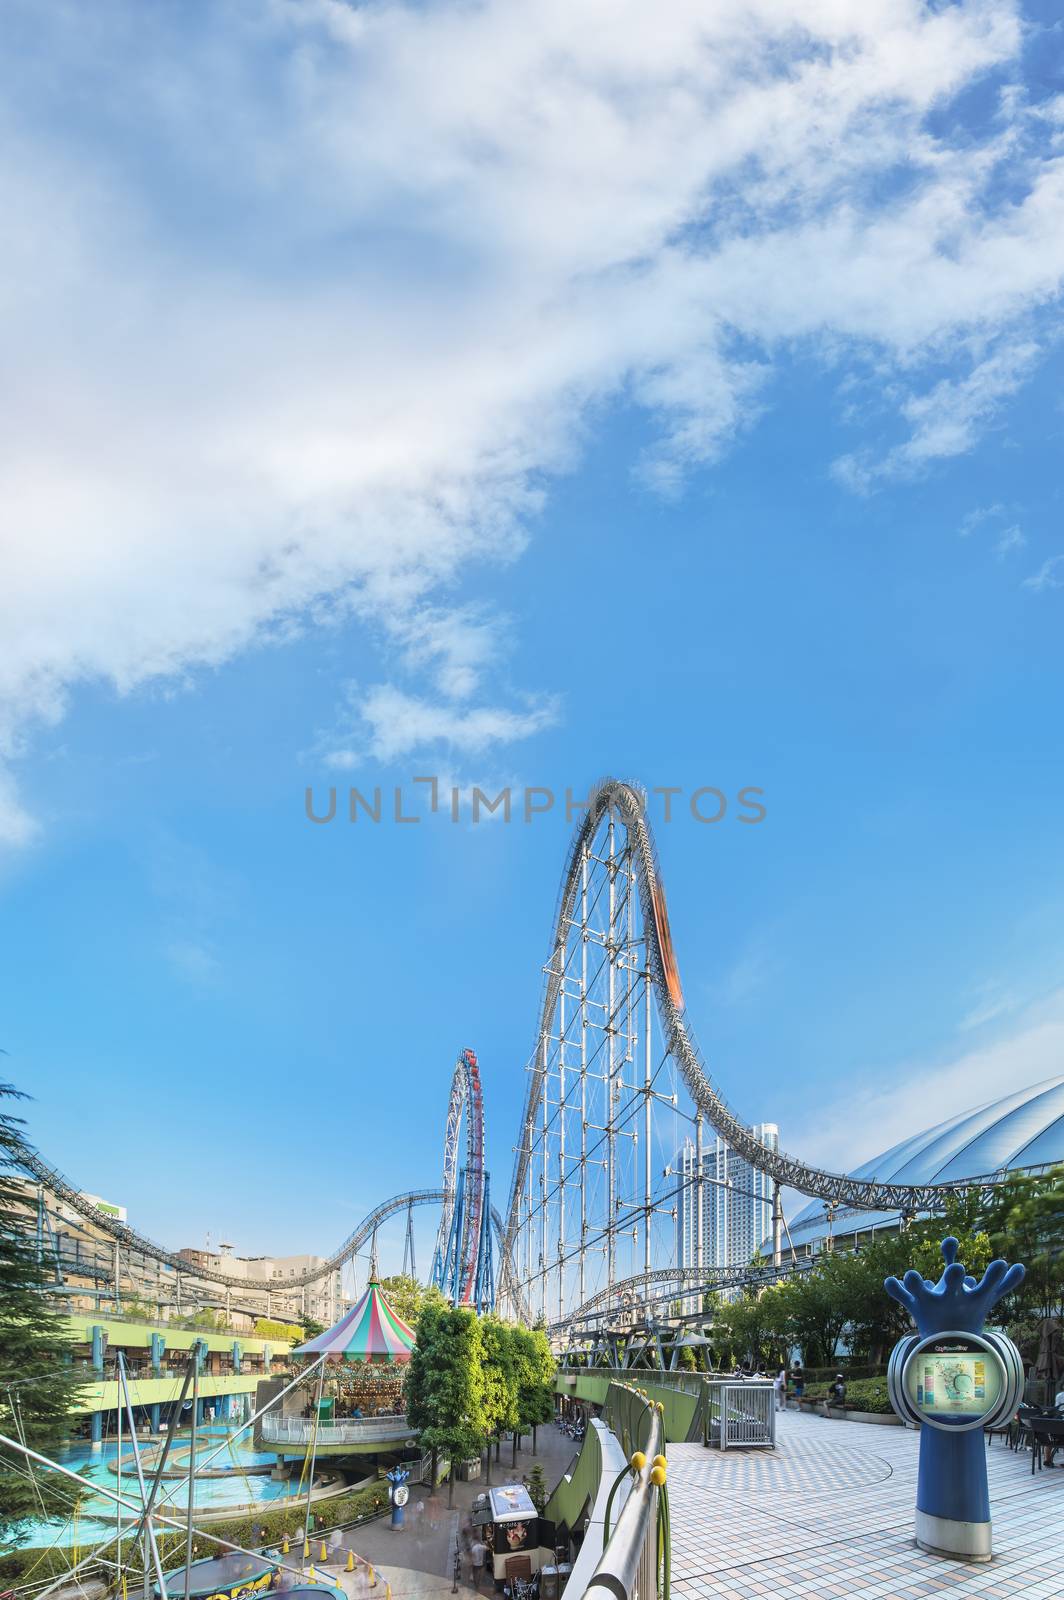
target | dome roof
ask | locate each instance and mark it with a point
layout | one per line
(1022, 1129)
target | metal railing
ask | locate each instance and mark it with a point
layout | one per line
(353, 1430)
(686, 1381)
(630, 1566)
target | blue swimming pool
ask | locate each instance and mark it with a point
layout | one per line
(94, 1516)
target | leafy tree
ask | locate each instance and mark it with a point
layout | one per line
(267, 1328)
(748, 1327)
(445, 1398)
(535, 1379)
(37, 1385)
(1025, 1222)
(407, 1296)
(310, 1329)
(537, 1488)
(500, 1356)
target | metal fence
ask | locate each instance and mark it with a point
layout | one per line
(740, 1415)
(355, 1430)
(686, 1382)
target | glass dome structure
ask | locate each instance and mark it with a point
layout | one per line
(1021, 1131)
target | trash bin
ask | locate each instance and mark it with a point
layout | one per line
(548, 1583)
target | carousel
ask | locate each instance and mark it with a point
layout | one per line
(366, 1356)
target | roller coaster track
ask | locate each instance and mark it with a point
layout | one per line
(628, 804)
(456, 1261)
(676, 1282)
(33, 1165)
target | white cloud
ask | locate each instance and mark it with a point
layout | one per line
(989, 1002)
(1013, 538)
(911, 1096)
(975, 519)
(947, 419)
(298, 324)
(17, 827)
(398, 724)
(1050, 575)
(193, 961)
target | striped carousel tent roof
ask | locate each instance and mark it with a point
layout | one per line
(370, 1331)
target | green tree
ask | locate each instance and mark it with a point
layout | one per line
(1025, 1222)
(37, 1385)
(267, 1328)
(535, 1380)
(445, 1386)
(500, 1357)
(537, 1488)
(407, 1297)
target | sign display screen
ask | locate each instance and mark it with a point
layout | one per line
(954, 1377)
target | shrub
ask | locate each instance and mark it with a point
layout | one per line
(868, 1394)
(250, 1530)
(863, 1394)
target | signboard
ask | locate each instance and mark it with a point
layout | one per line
(955, 1381)
(954, 1378)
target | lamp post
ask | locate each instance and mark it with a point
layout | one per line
(953, 1380)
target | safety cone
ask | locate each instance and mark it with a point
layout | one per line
(372, 1577)
(350, 1561)
(324, 1553)
(306, 1548)
(284, 1545)
(312, 1576)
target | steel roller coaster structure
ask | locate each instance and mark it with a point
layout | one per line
(613, 1049)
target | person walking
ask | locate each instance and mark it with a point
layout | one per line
(798, 1380)
(479, 1554)
(780, 1383)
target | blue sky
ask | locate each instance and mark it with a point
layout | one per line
(411, 390)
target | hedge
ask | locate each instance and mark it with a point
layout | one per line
(251, 1531)
(863, 1394)
(849, 1369)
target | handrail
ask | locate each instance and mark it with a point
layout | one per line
(352, 1430)
(628, 1567)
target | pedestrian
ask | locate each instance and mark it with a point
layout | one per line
(798, 1380)
(479, 1553)
(837, 1392)
(781, 1389)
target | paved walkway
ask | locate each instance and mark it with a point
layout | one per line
(419, 1562)
(828, 1515)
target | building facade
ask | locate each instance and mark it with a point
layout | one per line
(736, 1203)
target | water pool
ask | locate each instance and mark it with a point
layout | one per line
(94, 1518)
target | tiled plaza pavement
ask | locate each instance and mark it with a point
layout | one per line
(828, 1515)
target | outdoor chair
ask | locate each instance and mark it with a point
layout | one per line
(1007, 1430)
(1047, 1433)
(1023, 1426)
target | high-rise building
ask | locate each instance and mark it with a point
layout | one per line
(736, 1202)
